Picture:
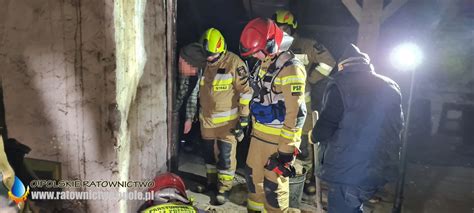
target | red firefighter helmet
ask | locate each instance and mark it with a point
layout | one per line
(260, 35)
(169, 185)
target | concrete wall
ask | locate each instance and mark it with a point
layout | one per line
(80, 87)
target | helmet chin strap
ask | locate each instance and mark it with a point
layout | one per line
(286, 42)
(216, 58)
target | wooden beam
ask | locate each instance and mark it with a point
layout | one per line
(369, 26)
(329, 28)
(354, 8)
(172, 118)
(391, 8)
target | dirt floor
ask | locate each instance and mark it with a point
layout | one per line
(193, 171)
(440, 179)
(440, 176)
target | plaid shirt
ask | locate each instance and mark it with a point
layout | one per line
(191, 102)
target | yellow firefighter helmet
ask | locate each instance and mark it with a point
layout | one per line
(213, 42)
(285, 17)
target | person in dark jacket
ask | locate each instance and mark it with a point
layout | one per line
(359, 132)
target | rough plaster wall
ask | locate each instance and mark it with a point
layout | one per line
(57, 66)
(66, 99)
(147, 117)
(141, 86)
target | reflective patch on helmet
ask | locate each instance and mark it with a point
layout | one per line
(219, 88)
(219, 43)
(297, 90)
(287, 16)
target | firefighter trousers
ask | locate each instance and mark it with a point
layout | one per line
(267, 190)
(219, 153)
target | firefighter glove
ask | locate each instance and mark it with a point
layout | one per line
(243, 121)
(238, 131)
(276, 164)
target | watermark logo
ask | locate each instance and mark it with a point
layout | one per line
(19, 192)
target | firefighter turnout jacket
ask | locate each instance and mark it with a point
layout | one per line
(278, 108)
(318, 65)
(224, 91)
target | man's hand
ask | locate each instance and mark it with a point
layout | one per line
(188, 124)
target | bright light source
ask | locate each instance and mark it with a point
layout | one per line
(406, 56)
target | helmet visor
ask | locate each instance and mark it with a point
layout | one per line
(246, 52)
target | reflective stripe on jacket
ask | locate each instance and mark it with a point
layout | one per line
(281, 80)
(319, 60)
(224, 91)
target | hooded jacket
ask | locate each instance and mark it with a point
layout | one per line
(360, 124)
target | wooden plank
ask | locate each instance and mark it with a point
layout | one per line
(329, 29)
(354, 8)
(172, 156)
(391, 8)
(369, 26)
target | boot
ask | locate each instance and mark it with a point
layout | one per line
(310, 187)
(222, 197)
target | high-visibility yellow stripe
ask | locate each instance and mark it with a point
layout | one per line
(266, 129)
(201, 81)
(211, 169)
(307, 97)
(225, 116)
(255, 206)
(222, 82)
(225, 177)
(224, 119)
(244, 101)
(290, 135)
(171, 207)
(261, 73)
(291, 79)
(245, 98)
(222, 79)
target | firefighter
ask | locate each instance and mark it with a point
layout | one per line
(278, 113)
(318, 63)
(224, 96)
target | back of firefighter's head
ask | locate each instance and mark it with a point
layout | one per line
(213, 43)
(260, 38)
(169, 187)
(286, 21)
